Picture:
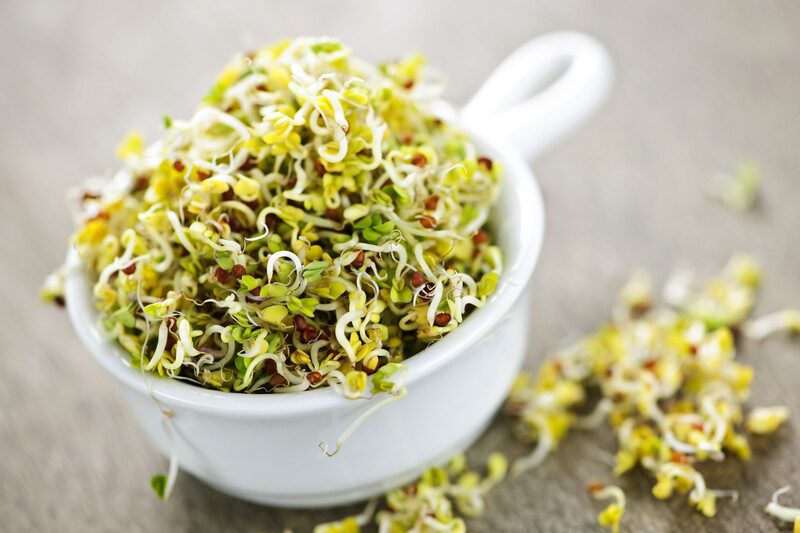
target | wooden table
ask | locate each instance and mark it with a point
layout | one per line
(701, 86)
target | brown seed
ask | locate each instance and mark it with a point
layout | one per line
(234, 223)
(409, 84)
(59, 301)
(485, 161)
(89, 196)
(272, 221)
(358, 262)
(419, 159)
(249, 164)
(480, 237)
(203, 175)
(417, 279)
(277, 380)
(256, 291)
(221, 274)
(141, 183)
(407, 137)
(178, 165)
(300, 323)
(431, 202)
(319, 168)
(238, 271)
(313, 377)
(427, 221)
(130, 269)
(309, 334)
(228, 195)
(291, 182)
(441, 319)
(270, 366)
(333, 214)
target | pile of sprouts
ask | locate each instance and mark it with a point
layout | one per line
(312, 224)
(665, 379)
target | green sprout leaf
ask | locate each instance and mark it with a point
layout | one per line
(159, 485)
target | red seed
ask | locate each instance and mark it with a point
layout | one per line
(130, 269)
(417, 278)
(221, 274)
(314, 377)
(485, 161)
(256, 291)
(427, 221)
(441, 319)
(203, 175)
(594, 487)
(431, 202)
(419, 160)
(480, 237)
(358, 262)
(178, 165)
(678, 457)
(300, 323)
(238, 271)
(409, 84)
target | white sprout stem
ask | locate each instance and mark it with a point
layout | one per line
(782, 512)
(298, 265)
(763, 327)
(179, 232)
(393, 396)
(172, 472)
(438, 291)
(543, 447)
(341, 337)
(184, 334)
(163, 332)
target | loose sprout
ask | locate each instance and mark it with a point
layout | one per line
(611, 516)
(738, 191)
(431, 502)
(669, 384)
(783, 512)
(312, 224)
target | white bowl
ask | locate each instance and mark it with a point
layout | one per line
(265, 448)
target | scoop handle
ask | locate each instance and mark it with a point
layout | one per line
(544, 90)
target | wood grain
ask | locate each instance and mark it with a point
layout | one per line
(701, 85)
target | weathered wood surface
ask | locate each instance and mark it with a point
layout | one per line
(701, 85)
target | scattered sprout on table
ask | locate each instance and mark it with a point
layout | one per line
(669, 385)
(431, 502)
(738, 191)
(611, 516)
(783, 512)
